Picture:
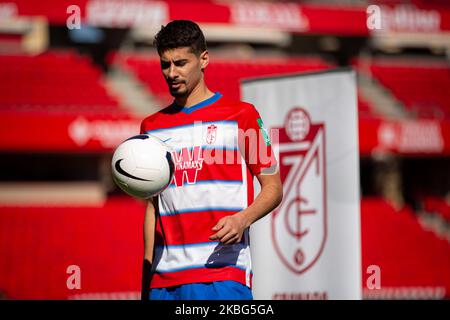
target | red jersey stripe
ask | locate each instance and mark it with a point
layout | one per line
(189, 228)
(167, 279)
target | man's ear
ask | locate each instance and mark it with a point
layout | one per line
(204, 59)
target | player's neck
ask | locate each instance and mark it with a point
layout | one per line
(199, 94)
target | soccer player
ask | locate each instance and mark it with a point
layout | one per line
(196, 232)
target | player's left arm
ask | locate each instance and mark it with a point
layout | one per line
(229, 230)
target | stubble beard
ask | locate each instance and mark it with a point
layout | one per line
(179, 92)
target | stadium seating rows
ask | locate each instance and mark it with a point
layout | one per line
(53, 81)
(365, 109)
(38, 244)
(225, 74)
(421, 87)
(407, 255)
(437, 205)
(68, 82)
(420, 3)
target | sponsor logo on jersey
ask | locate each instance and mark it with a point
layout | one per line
(187, 161)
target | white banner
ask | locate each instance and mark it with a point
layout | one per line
(309, 247)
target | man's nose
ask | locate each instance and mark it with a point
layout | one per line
(172, 72)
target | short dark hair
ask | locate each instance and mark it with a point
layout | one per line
(180, 33)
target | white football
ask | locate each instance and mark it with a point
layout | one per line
(142, 166)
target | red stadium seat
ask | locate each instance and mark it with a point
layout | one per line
(421, 86)
(53, 82)
(438, 206)
(408, 256)
(223, 75)
(39, 243)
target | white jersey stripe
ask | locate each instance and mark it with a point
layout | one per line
(176, 258)
(199, 244)
(211, 183)
(192, 197)
(195, 210)
(226, 133)
(200, 266)
(209, 147)
(190, 125)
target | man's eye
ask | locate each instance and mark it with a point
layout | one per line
(180, 63)
(165, 65)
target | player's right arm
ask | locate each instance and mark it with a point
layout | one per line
(149, 240)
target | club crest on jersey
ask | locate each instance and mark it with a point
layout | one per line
(187, 161)
(299, 224)
(211, 133)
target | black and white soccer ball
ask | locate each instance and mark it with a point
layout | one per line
(142, 166)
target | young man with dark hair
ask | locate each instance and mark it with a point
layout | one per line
(196, 232)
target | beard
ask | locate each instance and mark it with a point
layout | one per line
(176, 93)
(180, 92)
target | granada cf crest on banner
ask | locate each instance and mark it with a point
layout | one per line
(299, 224)
(309, 247)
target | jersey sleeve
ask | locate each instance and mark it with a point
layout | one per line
(254, 141)
(143, 130)
(147, 124)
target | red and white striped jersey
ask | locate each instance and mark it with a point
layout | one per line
(216, 158)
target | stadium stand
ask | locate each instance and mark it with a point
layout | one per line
(420, 85)
(438, 206)
(55, 81)
(107, 238)
(365, 109)
(225, 74)
(419, 3)
(408, 256)
(414, 262)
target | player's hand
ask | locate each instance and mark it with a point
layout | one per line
(230, 229)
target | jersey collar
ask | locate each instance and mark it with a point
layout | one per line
(202, 104)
